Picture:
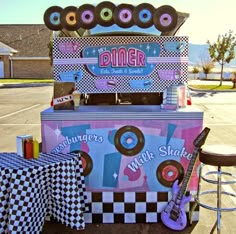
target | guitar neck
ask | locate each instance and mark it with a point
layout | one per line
(188, 174)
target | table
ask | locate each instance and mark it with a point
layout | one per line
(31, 189)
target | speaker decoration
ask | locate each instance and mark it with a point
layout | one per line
(86, 16)
(123, 15)
(165, 18)
(69, 18)
(143, 15)
(52, 18)
(104, 13)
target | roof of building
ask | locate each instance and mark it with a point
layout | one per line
(6, 50)
(30, 40)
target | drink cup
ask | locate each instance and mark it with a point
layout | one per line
(76, 96)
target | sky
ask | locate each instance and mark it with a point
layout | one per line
(208, 18)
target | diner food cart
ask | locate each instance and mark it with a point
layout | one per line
(132, 127)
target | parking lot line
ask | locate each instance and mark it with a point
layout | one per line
(221, 124)
(21, 124)
(16, 112)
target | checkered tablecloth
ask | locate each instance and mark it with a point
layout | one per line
(31, 189)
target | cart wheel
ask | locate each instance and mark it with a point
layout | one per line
(165, 18)
(143, 15)
(86, 16)
(52, 18)
(123, 15)
(69, 18)
(104, 13)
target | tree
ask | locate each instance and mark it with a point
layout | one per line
(195, 71)
(207, 67)
(222, 51)
(206, 63)
(234, 79)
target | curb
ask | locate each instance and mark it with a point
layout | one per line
(24, 85)
(211, 91)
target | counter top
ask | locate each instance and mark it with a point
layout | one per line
(120, 112)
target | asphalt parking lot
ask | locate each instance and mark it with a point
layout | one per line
(20, 109)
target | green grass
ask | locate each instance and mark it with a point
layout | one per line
(214, 87)
(19, 80)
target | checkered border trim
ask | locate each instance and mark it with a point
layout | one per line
(129, 207)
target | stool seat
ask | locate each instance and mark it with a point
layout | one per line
(218, 155)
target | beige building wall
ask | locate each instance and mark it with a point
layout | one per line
(36, 68)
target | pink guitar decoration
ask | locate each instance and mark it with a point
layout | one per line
(174, 215)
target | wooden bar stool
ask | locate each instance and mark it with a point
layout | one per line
(219, 156)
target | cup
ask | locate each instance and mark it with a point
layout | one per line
(76, 97)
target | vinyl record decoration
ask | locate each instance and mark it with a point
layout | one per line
(165, 18)
(169, 171)
(123, 15)
(129, 140)
(87, 162)
(52, 18)
(69, 18)
(104, 13)
(86, 16)
(143, 15)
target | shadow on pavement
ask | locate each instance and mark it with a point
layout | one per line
(56, 228)
(195, 93)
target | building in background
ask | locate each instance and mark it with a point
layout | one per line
(6, 52)
(24, 51)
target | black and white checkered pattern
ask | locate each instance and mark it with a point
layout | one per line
(30, 188)
(29, 192)
(128, 207)
(87, 85)
(81, 185)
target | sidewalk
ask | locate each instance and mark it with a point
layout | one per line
(23, 85)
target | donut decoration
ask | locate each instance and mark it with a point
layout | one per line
(86, 16)
(129, 140)
(69, 18)
(104, 13)
(123, 15)
(87, 162)
(52, 18)
(143, 15)
(169, 171)
(165, 18)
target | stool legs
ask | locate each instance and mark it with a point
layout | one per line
(218, 191)
(218, 200)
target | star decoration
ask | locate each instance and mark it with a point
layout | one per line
(57, 132)
(115, 175)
